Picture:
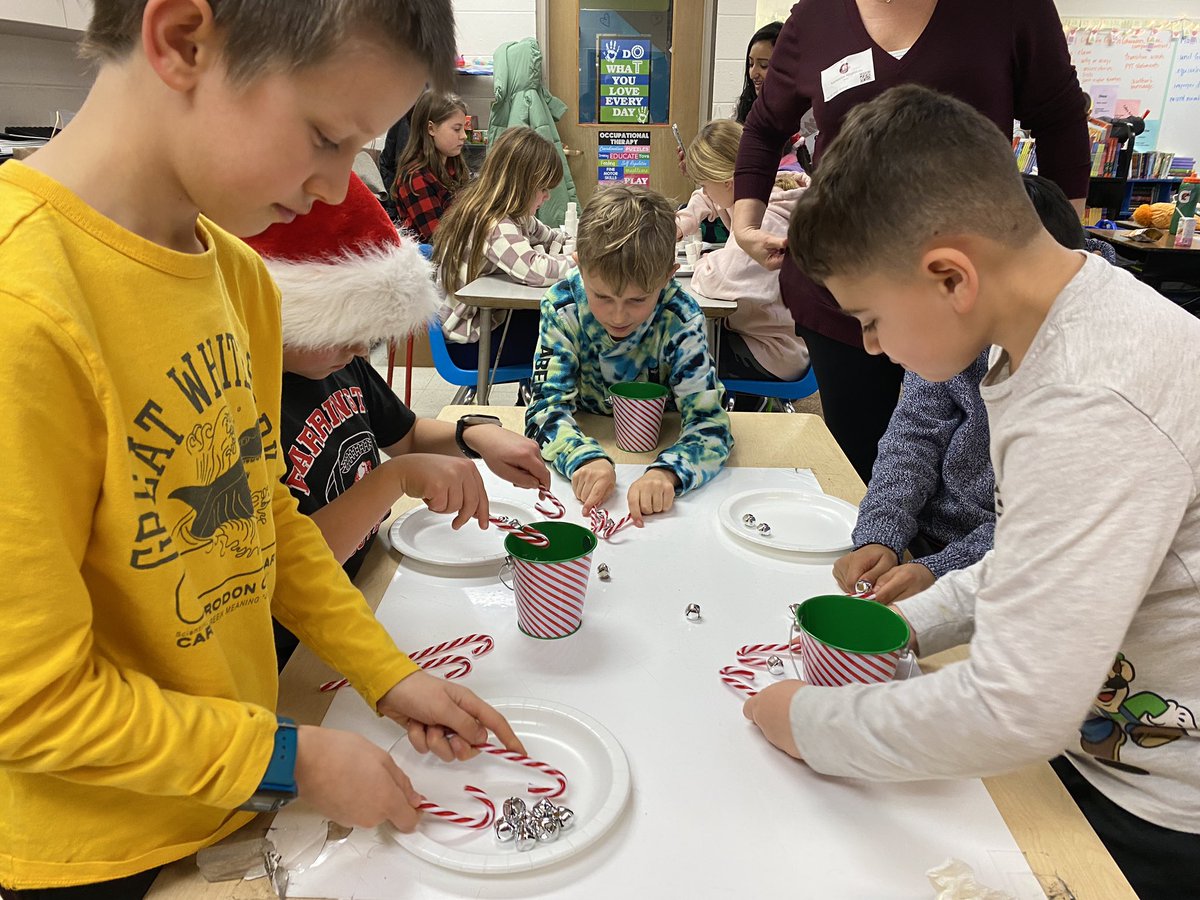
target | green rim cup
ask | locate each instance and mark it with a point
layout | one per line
(568, 541)
(550, 583)
(639, 390)
(853, 624)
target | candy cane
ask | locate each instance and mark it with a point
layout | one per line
(422, 658)
(522, 759)
(526, 533)
(603, 524)
(556, 511)
(756, 655)
(449, 815)
(739, 679)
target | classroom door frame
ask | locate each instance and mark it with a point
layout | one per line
(693, 28)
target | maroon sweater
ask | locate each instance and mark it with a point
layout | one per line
(1007, 58)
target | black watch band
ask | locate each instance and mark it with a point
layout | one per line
(466, 422)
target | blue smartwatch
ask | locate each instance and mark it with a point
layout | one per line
(278, 786)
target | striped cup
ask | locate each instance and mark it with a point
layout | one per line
(849, 640)
(637, 413)
(550, 582)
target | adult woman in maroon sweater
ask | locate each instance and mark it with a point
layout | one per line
(1007, 58)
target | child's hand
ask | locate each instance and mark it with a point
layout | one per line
(447, 484)
(770, 710)
(513, 457)
(351, 781)
(654, 492)
(903, 581)
(867, 563)
(444, 717)
(682, 160)
(593, 482)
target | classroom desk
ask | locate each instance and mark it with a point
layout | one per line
(490, 292)
(1047, 826)
(1160, 261)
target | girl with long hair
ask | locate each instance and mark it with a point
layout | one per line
(491, 228)
(431, 169)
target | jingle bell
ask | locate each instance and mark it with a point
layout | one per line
(526, 837)
(692, 612)
(513, 809)
(547, 830)
(505, 831)
(566, 818)
(602, 571)
(863, 587)
(774, 665)
(764, 529)
(748, 520)
(543, 809)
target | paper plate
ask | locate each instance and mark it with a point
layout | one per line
(801, 521)
(579, 746)
(427, 536)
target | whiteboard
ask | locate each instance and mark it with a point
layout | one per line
(1181, 113)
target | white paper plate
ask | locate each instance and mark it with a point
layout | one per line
(579, 746)
(427, 536)
(801, 521)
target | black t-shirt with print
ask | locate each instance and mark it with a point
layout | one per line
(332, 431)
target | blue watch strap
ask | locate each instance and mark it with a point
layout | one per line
(281, 770)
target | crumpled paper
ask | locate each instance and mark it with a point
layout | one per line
(955, 880)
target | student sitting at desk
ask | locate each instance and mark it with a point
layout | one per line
(623, 317)
(491, 228)
(1084, 619)
(347, 282)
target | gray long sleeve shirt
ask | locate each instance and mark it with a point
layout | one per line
(1084, 619)
(933, 475)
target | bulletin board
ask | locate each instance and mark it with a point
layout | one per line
(1129, 66)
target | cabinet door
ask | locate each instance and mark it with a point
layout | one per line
(34, 12)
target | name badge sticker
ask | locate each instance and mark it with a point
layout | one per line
(849, 72)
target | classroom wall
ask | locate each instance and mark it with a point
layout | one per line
(1141, 9)
(735, 25)
(37, 77)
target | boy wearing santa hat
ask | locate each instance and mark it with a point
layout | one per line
(347, 283)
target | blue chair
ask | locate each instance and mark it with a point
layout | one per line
(787, 392)
(466, 379)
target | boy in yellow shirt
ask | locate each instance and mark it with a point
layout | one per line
(148, 537)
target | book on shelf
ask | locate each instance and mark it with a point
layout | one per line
(1025, 153)
(1181, 167)
(1153, 164)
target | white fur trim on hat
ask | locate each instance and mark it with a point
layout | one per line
(372, 294)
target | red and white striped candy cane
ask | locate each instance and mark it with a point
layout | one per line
(603, 524)
(756, 655)
(449, 815)
(556, 510)
(483, 643)
(550, 792)
(739, 679)
(526, 533)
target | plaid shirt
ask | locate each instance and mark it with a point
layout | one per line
(577, 360)
(420, 203)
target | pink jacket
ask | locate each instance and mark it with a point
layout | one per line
(730, 274)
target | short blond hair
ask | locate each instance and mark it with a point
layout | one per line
(627, 235)
(713, 152)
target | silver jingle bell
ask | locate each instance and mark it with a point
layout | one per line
(863, 587)
(513, 809)
(748, 520)
(543, 809)
(566, 817)
(527, 837)
(505, 831)
(547, 830)
(692, 612)
(602, 571)
(764, 529)
(774, 665)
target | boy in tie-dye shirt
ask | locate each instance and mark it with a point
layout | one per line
(623, 317)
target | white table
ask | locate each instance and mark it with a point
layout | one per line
(490, 292)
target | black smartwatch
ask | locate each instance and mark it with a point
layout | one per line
(278, 787)
(466, 422)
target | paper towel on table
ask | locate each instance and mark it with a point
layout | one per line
(955, 880)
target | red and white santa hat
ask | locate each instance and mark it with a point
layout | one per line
(346, 276)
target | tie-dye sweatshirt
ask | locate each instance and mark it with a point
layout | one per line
(577, 361)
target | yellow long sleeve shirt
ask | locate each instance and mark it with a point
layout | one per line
(147, 539)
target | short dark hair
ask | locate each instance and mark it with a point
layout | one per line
(261, 35)
(1055, 210)
(908, 166)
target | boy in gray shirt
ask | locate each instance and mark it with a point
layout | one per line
(1084, 620)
